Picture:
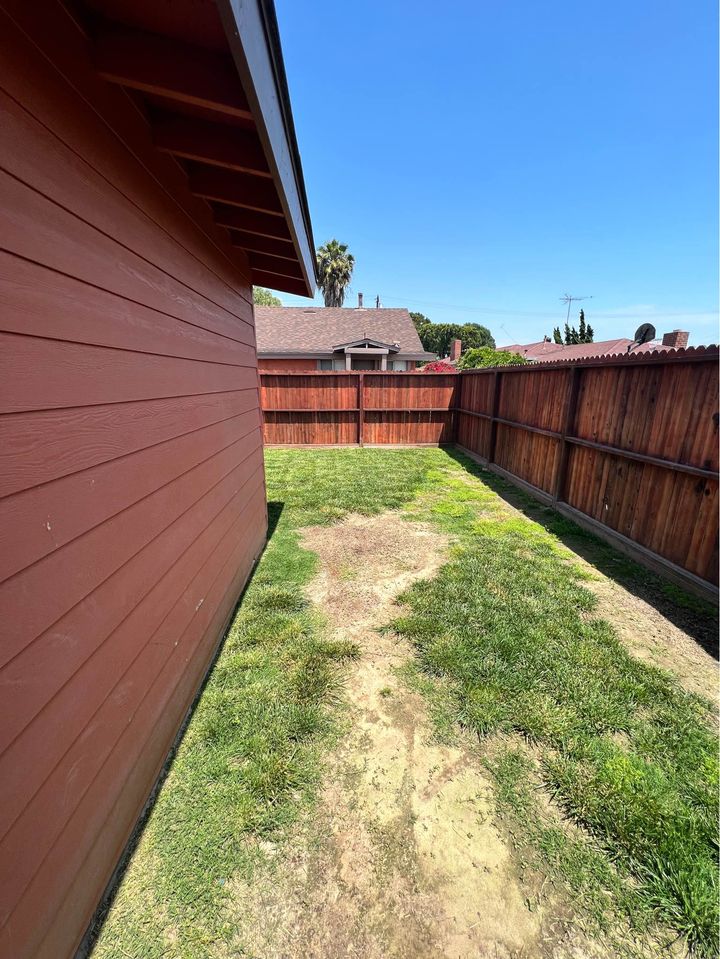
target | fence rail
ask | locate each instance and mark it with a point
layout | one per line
(627, 446)
(360, 408)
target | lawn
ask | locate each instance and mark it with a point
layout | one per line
(605, 770)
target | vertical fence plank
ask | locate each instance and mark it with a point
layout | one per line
(361, 409)
(496, 387)
(630, 444)
(573, 390)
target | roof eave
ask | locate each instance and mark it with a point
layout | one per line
(254, 41)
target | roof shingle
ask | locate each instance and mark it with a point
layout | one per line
(544, 350)
(288, 329)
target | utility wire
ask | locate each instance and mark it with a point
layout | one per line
(503, 311)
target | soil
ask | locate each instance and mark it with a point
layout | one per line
(402, 857)
(652, 637)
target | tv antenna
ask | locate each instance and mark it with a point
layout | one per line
(570, 300)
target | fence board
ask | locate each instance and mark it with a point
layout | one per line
(320, 409)
(630, 443)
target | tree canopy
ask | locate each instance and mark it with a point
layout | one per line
(583, 334)
(419, 319)
(485, 356)
(437, 337)
(335, 267)
(263, 297)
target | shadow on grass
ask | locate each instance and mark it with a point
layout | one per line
(692, 615)
(274, 508)
(95, 928)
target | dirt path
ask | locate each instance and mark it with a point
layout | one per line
(402, 858)
(652, 637)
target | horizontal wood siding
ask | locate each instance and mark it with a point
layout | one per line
(132, 498)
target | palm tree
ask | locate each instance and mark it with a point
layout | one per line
(335, 266)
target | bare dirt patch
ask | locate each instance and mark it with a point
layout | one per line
(680, 645)
(402, 858)
(652, 637)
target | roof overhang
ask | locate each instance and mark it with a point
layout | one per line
(327, 354)
(210, 78)
(365, 351)
(254, 39)
(367, 345)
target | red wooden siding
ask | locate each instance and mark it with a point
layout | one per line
(132, 501)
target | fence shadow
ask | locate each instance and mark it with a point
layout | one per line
(695, 617)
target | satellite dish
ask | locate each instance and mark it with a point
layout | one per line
(644, 333)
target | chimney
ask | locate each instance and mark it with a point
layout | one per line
(678, 339)
(360, 306)
(455, 349)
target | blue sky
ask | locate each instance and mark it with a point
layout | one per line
(483, 158)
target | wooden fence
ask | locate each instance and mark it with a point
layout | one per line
(627, 446)
(407, 409)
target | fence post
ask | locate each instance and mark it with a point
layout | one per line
(497, 376)
(567, 430)
(361, 409)
(454, 405)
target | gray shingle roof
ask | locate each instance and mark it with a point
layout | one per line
(289, 329)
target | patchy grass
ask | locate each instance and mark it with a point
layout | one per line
(251, 756)
(623, 750)
(248, 761)
(507, 645)
(322, 486)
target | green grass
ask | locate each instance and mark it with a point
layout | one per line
(251, 757)
(247, 763)
(322, 486)
(623, 750)
(506, 644)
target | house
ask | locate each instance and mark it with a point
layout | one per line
(150, 176)
(546, 350)
(297, 339)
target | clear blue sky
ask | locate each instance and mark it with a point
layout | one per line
(483, 157)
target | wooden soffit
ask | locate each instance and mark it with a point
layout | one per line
(210, 78)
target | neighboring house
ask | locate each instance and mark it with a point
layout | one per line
(150, 176)
(298, 339)
(546, 350)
